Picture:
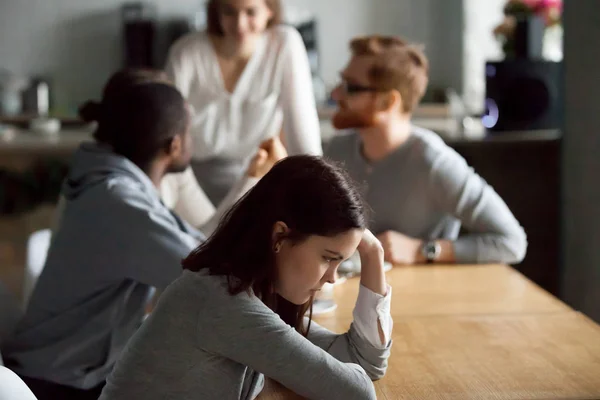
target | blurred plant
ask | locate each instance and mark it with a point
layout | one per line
(549, 10)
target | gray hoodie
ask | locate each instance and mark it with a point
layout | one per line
(116, 240)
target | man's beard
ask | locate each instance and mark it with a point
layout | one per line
(348, 119)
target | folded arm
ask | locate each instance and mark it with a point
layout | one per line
(494, 233)
(251, 334)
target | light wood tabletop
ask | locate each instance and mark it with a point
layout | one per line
(503, 357)
(455, 290)
(551, 356)
(477, 333)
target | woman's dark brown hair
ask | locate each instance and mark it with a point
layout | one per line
(311, 196)
(213, 24)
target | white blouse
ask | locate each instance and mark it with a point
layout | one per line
(273, 92)
(181, 193)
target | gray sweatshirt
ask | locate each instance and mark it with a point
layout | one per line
(426, 190)
(202, 343)
(115, 241)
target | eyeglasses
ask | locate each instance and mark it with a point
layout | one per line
(351, 88)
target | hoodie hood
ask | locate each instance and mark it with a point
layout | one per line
(93, 164)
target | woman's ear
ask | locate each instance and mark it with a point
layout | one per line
(280, 229)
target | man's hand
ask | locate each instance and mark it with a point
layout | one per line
(401, 249)
(269, 153)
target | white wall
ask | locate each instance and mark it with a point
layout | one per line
(480, 19)
(445, 43)
(77, 42)
(341, 20)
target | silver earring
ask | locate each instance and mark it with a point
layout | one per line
(277, 247)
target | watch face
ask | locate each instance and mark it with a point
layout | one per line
(431, 250)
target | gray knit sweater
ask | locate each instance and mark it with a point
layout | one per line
(426, 190)
(202, 343)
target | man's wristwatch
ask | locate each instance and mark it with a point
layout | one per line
(431, 250)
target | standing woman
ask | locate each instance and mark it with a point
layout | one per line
(247, 78)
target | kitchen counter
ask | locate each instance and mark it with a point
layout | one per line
(26, 142)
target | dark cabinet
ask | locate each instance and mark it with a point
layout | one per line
(525, 171)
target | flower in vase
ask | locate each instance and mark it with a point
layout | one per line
(549, 10)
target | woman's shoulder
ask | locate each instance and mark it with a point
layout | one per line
(285, 35)
(212, 291)
(189, 42)
(201, 282)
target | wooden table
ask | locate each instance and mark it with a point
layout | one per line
(455, 290)
(477, 333)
